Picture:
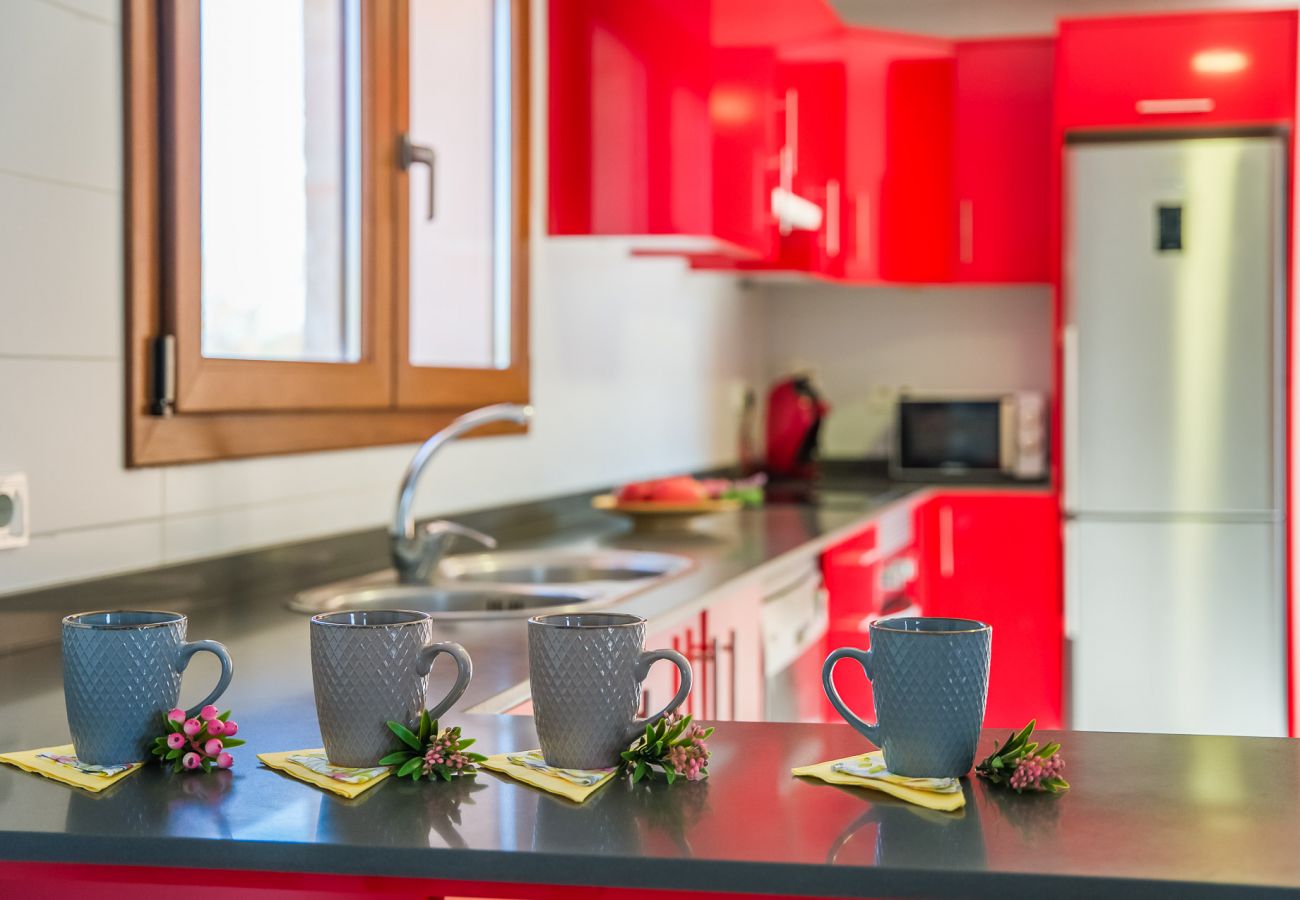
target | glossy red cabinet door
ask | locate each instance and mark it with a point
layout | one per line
(812, 98)
(1177, 71)
(662, 119)
(914, 229)
(1002, 170)
(880, 138)
(995, 556)
(849, 573)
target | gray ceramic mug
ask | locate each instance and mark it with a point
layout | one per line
(586, 670)
(370, 667)
(930, 679)
(121, 674)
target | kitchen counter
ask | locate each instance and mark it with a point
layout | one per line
(1148, 815)
(260, 820)
(269, 643)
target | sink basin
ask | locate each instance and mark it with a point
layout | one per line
(543, 567)
(442, 601)
(511, 584)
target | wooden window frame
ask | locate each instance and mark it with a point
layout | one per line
(226, 408)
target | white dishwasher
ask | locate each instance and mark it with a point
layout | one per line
(794, 620)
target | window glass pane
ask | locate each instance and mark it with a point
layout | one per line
(280, 145)
(460, 259)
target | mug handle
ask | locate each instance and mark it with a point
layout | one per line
(863, 657)
(648, 659)
(464, 669)
(188, 649)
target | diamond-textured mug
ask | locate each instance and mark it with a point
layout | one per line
(121, 673)
(585, 671)
(929, 678)
(370, 667)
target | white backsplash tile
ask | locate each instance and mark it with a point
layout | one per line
(52, 559)
(62, 258)
(107, 11)
(61, 422)
(60, 95)
(230, 530)
(245, 482)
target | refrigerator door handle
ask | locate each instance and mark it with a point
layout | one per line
(1070, 401)
(1071, 573)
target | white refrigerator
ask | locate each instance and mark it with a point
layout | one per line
(1173, 428)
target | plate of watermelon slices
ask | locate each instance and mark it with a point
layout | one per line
(669, 502)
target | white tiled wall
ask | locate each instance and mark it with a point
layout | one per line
(637, 365)
(866, 345)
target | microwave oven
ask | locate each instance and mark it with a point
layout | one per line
(973, 438)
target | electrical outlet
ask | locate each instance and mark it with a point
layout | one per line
(14, 511)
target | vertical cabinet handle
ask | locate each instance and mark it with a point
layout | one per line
(1070, 398)
(408, 155)
(862, 238)
(788, 158)
(947, 554)
(966, 231)
(792, 130)
(833, 217)
(730, 649)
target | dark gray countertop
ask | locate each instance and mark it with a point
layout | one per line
(1149, 815)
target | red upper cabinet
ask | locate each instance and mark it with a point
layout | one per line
(865, 124)
(903, 234)
(1002, 170)
(810, 161)
(663, 116)
(1177, 71)
(881, 136)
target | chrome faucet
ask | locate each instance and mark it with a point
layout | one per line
(416, 553)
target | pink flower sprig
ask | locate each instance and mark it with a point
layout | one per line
(431, 753)
(675, 746)
(199, 743)
(1022, 765)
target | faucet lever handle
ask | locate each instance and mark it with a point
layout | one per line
(442, 528)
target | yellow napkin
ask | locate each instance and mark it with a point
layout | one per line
(312, 767)
(60, 764)
(943, 794)
(529, 767)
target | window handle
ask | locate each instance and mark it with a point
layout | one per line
(409, 154)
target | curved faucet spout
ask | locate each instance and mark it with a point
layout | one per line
(414, 555)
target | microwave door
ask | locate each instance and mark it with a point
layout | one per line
(949, 438)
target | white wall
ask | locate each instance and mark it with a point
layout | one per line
(637, 366)
(865, 344)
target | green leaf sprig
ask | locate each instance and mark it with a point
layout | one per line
(431, 753)
(1022, 765)
(673, 746)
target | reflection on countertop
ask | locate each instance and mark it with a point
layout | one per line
(1203, 816)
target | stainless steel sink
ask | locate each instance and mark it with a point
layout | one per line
(443, 601)
(511, 584)
(541, 567)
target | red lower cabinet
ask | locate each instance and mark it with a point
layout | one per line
(995, 556)
(724, 646)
